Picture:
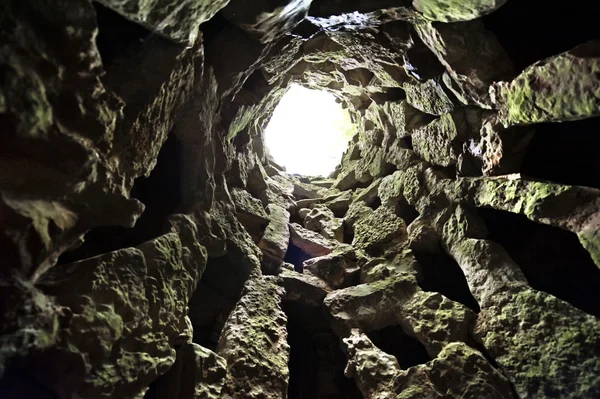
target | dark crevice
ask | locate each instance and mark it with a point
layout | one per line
(527, 43)
(405, 211)
(296, 256)
(376, 203)
(129, 55)
(442, 274)
(316, 361)
(117, 36)
(215, 297)
(565, 153)
(393, 340)
(552, 259)
(348, 233)
(160, 193)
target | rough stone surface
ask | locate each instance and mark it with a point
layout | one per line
(452, 253)
(455, 11)
(254, 344)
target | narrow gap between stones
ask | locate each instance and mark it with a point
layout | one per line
(296, 256)
(393, 340)
(442, 274)
(552, 259)
(160, 193)
(565, 153)
(405, 211)
(215, 297)
(316, 362)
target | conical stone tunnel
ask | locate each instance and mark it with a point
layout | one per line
(152, 248)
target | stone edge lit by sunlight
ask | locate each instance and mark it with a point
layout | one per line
(308, 132)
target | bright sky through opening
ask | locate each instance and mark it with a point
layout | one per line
(308, 132)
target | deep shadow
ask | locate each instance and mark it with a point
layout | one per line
(215, 297)
(552, 259)
(442, 274)
(376, 203)
(160, 193)
(316, 361)
(116, 34)
(19, 384)
(405, 211)
(296, 256)
(556, 28)
(393, 340)
(565, 153)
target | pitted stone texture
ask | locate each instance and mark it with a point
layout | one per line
(379, 376)
(539, 201)
(274, 243)
(440, 142)
(339, 269)
(429, 97)
(545, 346)
(314, 244)
(116, 302)
(250, 213)
(254, 343)
(322, 220)
(197, 373)
(378, 231)
(561, 88)
(304, 288)
(456, 10)
(472, 56)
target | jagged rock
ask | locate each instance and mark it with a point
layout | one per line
(439, 142)
(134, 296)
(180, 23)
(265, 20)
(560, 88)
(378, 231)
(370, 306)
(304, 288)
(428, 97)
(310, 242)
(339, 269)
(254, 343)
(378, 269)
(250, 213)
(560, 363)
(369, 194)
(275, 241)
(197, 373)
(537, 201)
(322, 220)
(455, 11)
(378, 374)
(472, 56)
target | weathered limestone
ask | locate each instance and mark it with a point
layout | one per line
(455, 11)
(379, 376)
(254, 345)
(561, 88)
(140, 211)
(275, 241)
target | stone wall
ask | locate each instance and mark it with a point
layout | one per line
(150, 247)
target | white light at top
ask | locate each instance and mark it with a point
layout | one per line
(308, 132)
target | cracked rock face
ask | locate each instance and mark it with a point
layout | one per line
(151, 247)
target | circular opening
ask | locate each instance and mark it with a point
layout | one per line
(308, 132)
